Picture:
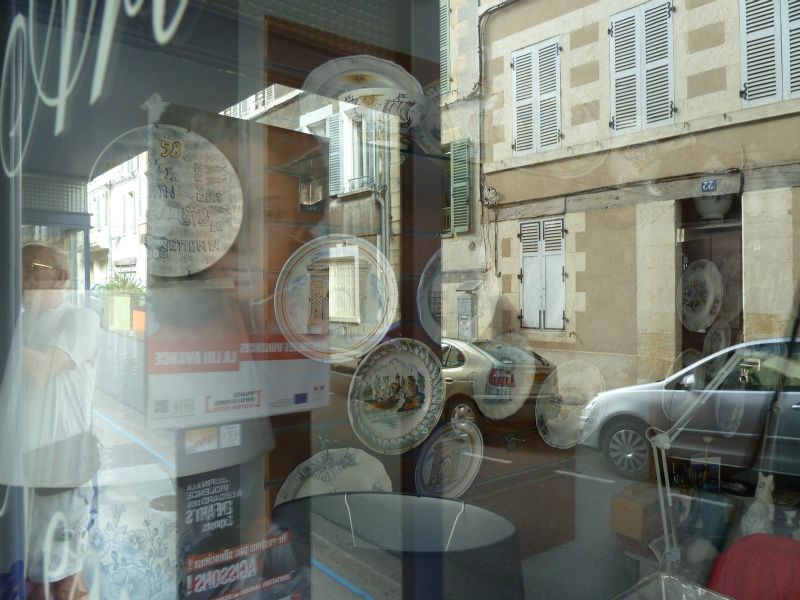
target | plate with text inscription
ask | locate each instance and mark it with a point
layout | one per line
(194, 202)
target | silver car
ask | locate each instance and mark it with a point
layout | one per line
(724, 400)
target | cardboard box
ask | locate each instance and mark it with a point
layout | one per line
(635, 512)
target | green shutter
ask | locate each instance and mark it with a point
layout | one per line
(459, 185)
(444, 46)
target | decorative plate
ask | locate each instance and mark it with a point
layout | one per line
(731, 271)
(565, 415)
(450, 460)
(380, 85)
(699, 295)
(335, 470)
(429, 297)
(194, 203)
(396, 396)
(717, 338)
(335, 298)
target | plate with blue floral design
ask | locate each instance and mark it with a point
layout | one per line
(700, 295)
(335, 470)
(396, 396)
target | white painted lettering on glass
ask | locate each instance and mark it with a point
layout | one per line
(20, 59)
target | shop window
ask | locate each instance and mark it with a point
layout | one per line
(642, 65)
(770, 33)
(536, 89)
(543, 289)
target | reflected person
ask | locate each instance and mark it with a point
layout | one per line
(58, 361)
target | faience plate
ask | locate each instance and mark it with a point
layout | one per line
(717, 338)
(335, 470)
(380, 85)
(429, 297)
(396, 396)
(335, 298)
(450, 460)
(194, 202)
(565, 413)
(699, 295)
(731, 271)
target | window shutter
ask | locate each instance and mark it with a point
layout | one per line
(624, 72)
(444, 46)
(791, 48)
(522, 83)
(761, 81)
(548, 88)
(532, 272)
(658, 83)
(333, 129)
(459, 186)
(553, 239)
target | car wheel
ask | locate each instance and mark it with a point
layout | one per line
(627, 450)
(462, 410)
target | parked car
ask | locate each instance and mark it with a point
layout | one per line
(724, 398)
(492, 381)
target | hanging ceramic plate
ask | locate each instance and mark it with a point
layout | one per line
(347, 73)
(335, 470)
(717, 338)
(429, 297)
(450, 460)
(565, 415)
(194, 203)
(731, 272)
(379, 85)
(699, 295)
(335, 298)
(396, 396)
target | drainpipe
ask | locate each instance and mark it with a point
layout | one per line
(381, 190)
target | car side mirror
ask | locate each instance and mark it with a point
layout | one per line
(687, 383)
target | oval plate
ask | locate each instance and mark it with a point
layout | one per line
(450, 460)
(700, 295)
(396, 396)
(335, 298)
(429, 297)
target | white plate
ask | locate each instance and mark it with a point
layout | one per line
(717, 338)
(429, 297)
(565, 415)
(450, 460)
(194, 203)
(335, 470)
(389, 88)
(396, 396)
(699, 295)
(731, 271)
(335, 298)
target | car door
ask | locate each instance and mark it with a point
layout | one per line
(782, 453)
(734, 392)
(457, 380)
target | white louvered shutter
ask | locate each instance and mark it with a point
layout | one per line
(553, 242)
(658, 83)
(532, 274)
(791, 48)
(625, 72)
(761, 80)
(522, 83)
(547, 88)
(444, 46)
(333, 129)
(459, 186)
(371, 145)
